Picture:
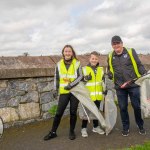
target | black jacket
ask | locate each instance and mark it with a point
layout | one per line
(123, 68)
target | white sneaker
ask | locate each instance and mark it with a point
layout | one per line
(84, 132)
(98, 130)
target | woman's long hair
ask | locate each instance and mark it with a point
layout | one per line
(69, 46)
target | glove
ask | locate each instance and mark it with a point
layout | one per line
(55, 93)
(88, 77)
(68, 87)
(105, 92)
(110, 75)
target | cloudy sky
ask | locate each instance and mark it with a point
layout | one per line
(43, 27)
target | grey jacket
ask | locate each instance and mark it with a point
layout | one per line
(123, 68)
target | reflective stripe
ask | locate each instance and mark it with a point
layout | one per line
(68, 76)
(62, 85)
(93, 83)
(110, 64)
(77, 64)
(84, 70)
(58, 64)
(134, 63)
(96, 93)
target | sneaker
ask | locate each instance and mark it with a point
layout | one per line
(72, 135)
(50, 135)
(125, 132)
(98, 130)
(84, 132)
(142, 131)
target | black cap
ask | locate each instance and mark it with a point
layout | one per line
(116, 38)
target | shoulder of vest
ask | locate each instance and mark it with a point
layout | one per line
(128, 49)
(77, 61)
(61, 60)
(84, 66)
(87, 67)
(110, 53)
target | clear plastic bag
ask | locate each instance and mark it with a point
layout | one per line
(83, 95)
(1, 127)
(144, 82)
(110, 111)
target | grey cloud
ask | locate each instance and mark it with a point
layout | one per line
(44, 27)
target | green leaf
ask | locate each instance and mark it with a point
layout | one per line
(53, 110)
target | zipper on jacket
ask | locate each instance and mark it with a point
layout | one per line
(95, 85)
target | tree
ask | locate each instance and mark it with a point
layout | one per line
(25, 54)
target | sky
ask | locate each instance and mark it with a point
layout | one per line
(44, 27)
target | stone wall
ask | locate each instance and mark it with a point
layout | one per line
(26, 87)
(26, 100)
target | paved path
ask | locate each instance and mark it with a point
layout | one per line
(30, 137)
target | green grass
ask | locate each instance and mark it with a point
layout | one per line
(53, 110)
(145, 146)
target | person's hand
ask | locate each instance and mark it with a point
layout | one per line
(88, 77)
(126, 84)
(110, 75)
(55, 93)
(105, 92)
(68, 87)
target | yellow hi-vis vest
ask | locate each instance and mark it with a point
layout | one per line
(95, 85)
(132, 60)
(67, 76)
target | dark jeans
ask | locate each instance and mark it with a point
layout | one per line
(64, 99)
(134, 94)
(95, 122)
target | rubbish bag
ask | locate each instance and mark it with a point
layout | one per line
(144, 82)
(110, 111)
(1, 127)
(85, 113)
(83, 95)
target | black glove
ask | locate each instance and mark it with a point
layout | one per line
(110, 75)
(88, 77)
(105, 92)
(55, 93)
(68, 87)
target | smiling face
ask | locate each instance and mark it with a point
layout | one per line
(94, 59)
(118, 47)
(68, 53)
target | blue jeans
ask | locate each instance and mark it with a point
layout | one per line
(134, 94)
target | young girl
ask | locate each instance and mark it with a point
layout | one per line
(93, 75)
(68, 74)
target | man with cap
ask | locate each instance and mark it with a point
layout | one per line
(123, 66)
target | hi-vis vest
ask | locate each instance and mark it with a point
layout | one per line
(132, 60)
(67, 76)
(95, 85)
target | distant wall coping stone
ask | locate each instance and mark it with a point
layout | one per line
(43, 66)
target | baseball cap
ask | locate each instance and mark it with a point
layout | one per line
(116, 38)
